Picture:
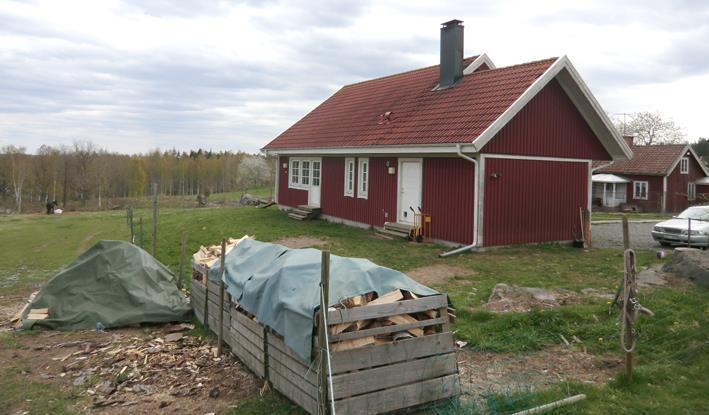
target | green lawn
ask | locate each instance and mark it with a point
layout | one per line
(673, 357)
(631, 216)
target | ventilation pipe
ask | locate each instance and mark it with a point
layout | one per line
(475, 208)
(451, 68)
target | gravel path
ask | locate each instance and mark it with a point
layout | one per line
(607, 235)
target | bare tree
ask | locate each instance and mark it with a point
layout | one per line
(650, 128)
(19, 168)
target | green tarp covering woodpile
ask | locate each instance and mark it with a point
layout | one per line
(112, 284)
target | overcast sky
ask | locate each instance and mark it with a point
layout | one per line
(133, 75)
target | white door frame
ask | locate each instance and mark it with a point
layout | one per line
(398, 187)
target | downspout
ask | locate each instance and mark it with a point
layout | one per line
(475, 207)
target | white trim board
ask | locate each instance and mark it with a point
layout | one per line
(477, 63)
(538, 158)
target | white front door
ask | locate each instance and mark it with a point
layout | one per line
(314, 190)
(409, 189)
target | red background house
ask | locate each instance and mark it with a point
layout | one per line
(496, 155)
(662, 178)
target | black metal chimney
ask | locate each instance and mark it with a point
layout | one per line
(451, 53)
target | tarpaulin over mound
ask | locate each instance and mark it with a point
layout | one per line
(281, 286)
(113, 283)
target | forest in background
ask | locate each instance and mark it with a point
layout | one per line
(85, 176)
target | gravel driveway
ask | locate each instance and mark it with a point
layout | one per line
(607, 235)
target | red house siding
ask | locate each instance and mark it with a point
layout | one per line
(677, 184)
(532, 200)
(654, 192)
(448, 194)
(551, 126)
(380, 205)
(286, 195)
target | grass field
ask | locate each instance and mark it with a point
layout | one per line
(631, 216)
(673, 353)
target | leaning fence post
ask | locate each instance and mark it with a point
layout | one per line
(140, 236)
(220, 331)
(626, 233)
(322, 332)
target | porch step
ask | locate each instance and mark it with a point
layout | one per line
(393, 233)
(304, 212)
(398, 227)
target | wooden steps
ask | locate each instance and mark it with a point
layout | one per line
(395, 229)
(304, 212)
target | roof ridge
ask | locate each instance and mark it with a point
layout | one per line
(552, 58)
(471, 58)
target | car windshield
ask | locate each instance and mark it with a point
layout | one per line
(695, 213)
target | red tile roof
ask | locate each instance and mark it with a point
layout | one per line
(652, 160)
(352, 116)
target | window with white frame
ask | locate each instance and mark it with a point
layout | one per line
(316, 173)
(684, 165)
(294, 173)
(305, 173)
(640, 190)
(363, 178)
(691, 191)
(349, 177)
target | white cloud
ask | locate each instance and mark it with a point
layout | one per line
(133, 75)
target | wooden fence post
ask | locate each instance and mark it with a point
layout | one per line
(626, 233)
(132, 228)
(322, 327)
(220, 331)
(140, 227)
(155, 219)
(183, 241)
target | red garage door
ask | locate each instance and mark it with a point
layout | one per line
(529, 201)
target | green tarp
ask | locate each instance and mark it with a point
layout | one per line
(114, 283)
(281, 286)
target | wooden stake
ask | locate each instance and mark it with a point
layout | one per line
(325, 283)
(132, 229)
(155, 219)
(140, 227)
(180, 276)
(548, 407)
(220, 337)
(626, 233)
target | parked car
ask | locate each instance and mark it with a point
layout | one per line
(676, 231)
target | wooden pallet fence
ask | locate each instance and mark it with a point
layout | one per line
(373, 379)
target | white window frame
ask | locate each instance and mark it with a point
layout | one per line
(691, 191)
(349, 175)
(312, 172)
(635, 190)
(684, 165)
(363, 177)
(291, 168)
(302, 183)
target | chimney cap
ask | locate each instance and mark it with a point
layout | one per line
(454, 22)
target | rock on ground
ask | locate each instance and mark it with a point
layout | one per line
(689, 263)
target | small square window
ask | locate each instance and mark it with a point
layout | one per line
(640, 190)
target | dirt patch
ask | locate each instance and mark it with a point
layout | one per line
(10, 305)
(510, 298)
(505, 373)
(301, 242)
(135, 370)
(437, 274)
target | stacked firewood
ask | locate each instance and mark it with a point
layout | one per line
(371, 299)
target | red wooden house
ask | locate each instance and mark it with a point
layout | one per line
(660, 178)
(497, 156)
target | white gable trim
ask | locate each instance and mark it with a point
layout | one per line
(555, 69)
(478, 62)
(694, 154)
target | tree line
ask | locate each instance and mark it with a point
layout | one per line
(84, 174)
